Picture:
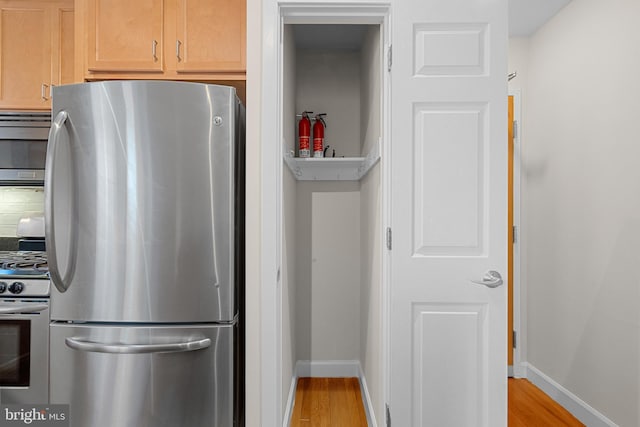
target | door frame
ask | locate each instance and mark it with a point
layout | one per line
(518, 369)
(270, 122)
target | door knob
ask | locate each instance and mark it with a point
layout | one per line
(491, 279)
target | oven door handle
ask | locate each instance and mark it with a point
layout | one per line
(96, 347)
(59, 280)
(22, 308)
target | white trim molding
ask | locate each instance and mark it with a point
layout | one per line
(328, 368)
(572, 403)
(366, 399)
(291, 400)
(518, 369)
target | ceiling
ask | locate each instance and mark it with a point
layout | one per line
(329, 36)
(526, 16)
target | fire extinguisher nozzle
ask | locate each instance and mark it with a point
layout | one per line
(321, 117)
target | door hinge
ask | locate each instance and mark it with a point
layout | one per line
(388, 416)
(515, 339)
(389, 59)
(389, 238)
(515, 130)
(515, 234)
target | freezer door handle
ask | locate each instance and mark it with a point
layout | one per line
(22, 308)
(96, 347)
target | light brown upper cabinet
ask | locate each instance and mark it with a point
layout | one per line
(211, 35)
(125, 35)
(36, 51)
(163, 39)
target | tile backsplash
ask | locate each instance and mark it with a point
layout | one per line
(16, 202)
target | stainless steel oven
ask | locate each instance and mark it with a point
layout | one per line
(23, 147)
(24, 330)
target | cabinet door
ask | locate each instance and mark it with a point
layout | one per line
(63, 58)
(125, 35)
(211, 35)
(25, 55)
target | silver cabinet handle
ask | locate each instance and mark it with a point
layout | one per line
(96, 347)
(178, 43)
(22, 308)
(60, 281)
(491, 279)
(154, 48)
(43, 91)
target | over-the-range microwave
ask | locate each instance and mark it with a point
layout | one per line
(23, 147)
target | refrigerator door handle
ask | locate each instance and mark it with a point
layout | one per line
(60, 281)
(96, 347)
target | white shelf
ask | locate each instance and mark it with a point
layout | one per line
(332, 168)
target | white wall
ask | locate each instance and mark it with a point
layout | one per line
(519, 63)
(309, 308)
(371, 226)
(335, 276)
(327, 82)
(581, 195)
(289, 253)
(370, 89)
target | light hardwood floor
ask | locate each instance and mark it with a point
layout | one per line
(337, 402)
(530, 407)
(328, 402)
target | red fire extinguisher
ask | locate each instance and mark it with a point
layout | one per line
(318, 135)
(304, 134)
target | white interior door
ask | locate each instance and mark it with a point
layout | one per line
(449, 213)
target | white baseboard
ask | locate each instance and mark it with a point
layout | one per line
(330, 369)
(519, 370)
(366, 399)
(290, 401)
(572, 403)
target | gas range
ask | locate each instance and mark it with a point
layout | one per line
(24, 273)
(24, 323)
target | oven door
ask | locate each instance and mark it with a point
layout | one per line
(24, 351)
(23, 147)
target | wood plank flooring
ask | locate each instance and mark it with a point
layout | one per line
(531, 407)
(328, 402)
(337, 402)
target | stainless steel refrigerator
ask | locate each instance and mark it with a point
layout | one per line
(144, 231)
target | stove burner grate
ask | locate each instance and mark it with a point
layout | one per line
(25, 262)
